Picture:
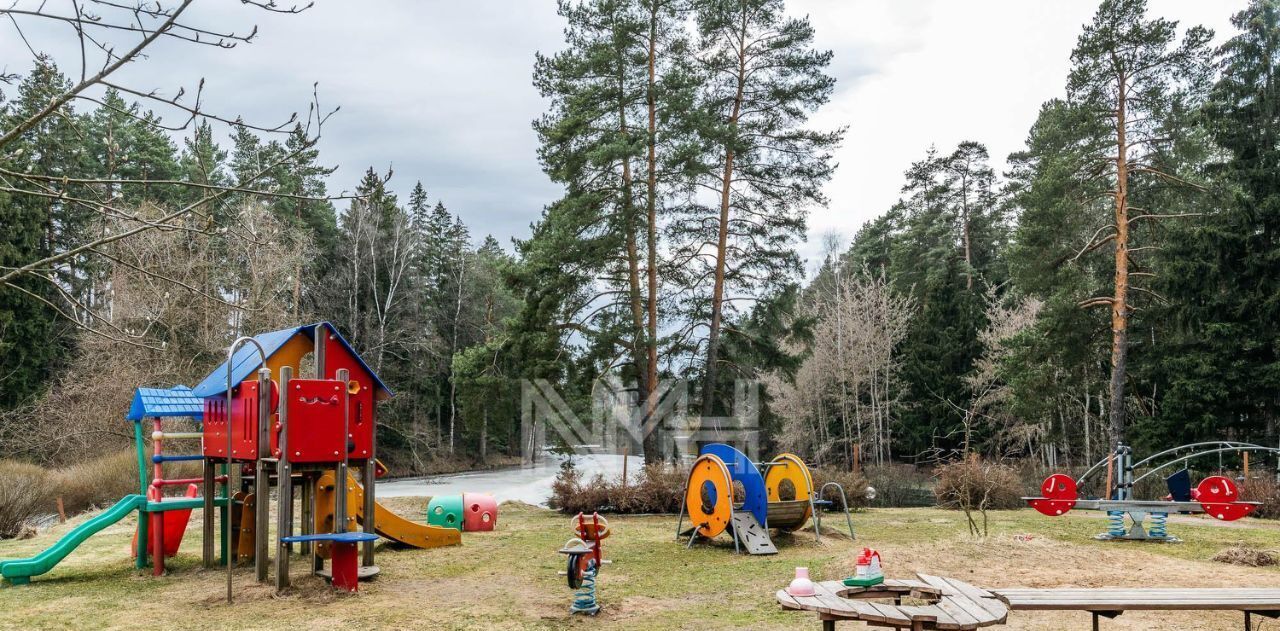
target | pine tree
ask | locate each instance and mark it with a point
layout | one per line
(762, 80)
(1128, 70)
(35, 342)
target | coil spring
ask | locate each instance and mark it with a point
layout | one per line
(1158, 522)
(584, 600)
(1115, 523)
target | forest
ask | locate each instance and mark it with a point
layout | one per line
(1117, 281)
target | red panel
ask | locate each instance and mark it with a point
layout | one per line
(1060, 495)
(244, 424)
(337, 357)
(346, 566)
(315, 421)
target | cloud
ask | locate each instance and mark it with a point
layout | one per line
(441, 90)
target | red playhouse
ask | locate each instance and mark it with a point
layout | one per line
(296, 407)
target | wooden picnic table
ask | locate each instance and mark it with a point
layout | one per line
(945, 603)
(950, 604)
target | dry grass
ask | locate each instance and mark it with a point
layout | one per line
(97, 482)
(507, 579)
(29, 491)
(25, 493)
(1245, 555)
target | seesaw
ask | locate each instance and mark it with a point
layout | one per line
(1215, 495)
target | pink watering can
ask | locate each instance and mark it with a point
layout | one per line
(801, 585)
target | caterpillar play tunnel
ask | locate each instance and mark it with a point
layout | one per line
(726, 491)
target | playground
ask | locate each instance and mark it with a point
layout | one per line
(508, 578)
(260, 537)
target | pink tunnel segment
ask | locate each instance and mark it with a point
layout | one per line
(479, 512)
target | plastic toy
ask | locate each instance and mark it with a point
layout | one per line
(480, 512)
(586, 557)
(1215, 495)
(867, 572)
(784, 498)
(801, 585)
(469, 512)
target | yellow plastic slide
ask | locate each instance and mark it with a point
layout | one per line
(385, 522)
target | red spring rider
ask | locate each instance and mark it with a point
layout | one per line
(585, 559)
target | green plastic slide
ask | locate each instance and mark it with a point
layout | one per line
(20, 571)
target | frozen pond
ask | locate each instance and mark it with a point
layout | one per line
(531, 485)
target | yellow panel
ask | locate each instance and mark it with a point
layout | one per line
(290, 354)
(789, 467)
(709, 470)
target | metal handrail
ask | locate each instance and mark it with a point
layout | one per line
(231, 353)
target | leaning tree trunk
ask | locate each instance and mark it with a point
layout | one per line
(710, 372)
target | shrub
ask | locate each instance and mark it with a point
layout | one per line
(1263, 488)
(900, 485)
(654, 489)
(973, 485)
(854, 484)
(978, 484)
(101, 481)
(26, 492)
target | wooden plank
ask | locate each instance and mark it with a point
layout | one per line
(953, 607)
(982, 598)
(931, 614)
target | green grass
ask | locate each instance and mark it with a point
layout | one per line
(508, 578)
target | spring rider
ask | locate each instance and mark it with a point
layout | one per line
(585, 559)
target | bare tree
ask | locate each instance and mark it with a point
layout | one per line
(108, 36)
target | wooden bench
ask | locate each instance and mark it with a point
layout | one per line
(946, 604)
(1110, 602)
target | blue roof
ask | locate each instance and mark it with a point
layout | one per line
(246, 359)
(175, 401)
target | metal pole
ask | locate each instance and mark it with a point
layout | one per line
(231, 352)
(340, 479)
(262, 478)
(284, 485)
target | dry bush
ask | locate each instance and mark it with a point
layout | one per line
(900, 485)
(26, 492)
(654, 489)
(98, 482)
(975, 482)
(1240, 554)
(854, 484)
(1265, 489)
(973, 485)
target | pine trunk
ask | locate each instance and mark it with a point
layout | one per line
(722, 238)
(1120, 302)
(651, 447)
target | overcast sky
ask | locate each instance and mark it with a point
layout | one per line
(440, 90)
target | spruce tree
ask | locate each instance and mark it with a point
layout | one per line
(1219, 362)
